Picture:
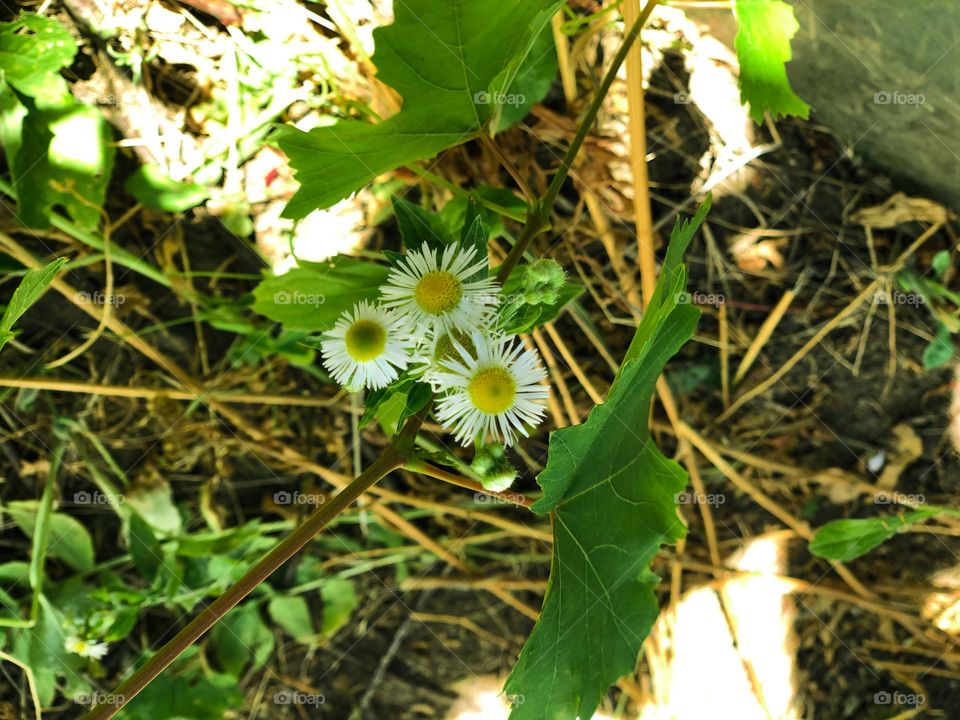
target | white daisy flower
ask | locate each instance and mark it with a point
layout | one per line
(85, 648)
(495, 390)
(367, 348)
(435, 291)
(431, 353)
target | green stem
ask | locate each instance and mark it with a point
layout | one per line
(392, 458)
(538, 217)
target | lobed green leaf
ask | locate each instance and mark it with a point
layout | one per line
(453, 62)
(763, 49)
(612, 495)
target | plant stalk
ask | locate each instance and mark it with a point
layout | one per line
(538, 217)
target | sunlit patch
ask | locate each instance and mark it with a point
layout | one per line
(751, 675)
(77, 144)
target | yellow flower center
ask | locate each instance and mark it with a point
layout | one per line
(438, 292)
(445, 349)
(492, 390)
(365, 340)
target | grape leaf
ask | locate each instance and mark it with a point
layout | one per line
(612, 494)
(763, 49)
(454, 64)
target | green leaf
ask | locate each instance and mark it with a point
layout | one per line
(33, 49)
(152, 188)
(154, 503)
(848, 539)
(419, 227)
(533, 81)
(68, 540)
(242, 637)
(144, 547)
(312, 298)
(451, 61)
(611, 492)
(940, 351)
(42, 649)
(474, 235)
(292, 614)
(763, 49)
(33, 285)
(64, 156)
(339, 601)
(941, 262)
(201, 545)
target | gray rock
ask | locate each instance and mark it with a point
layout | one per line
(885, 77)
